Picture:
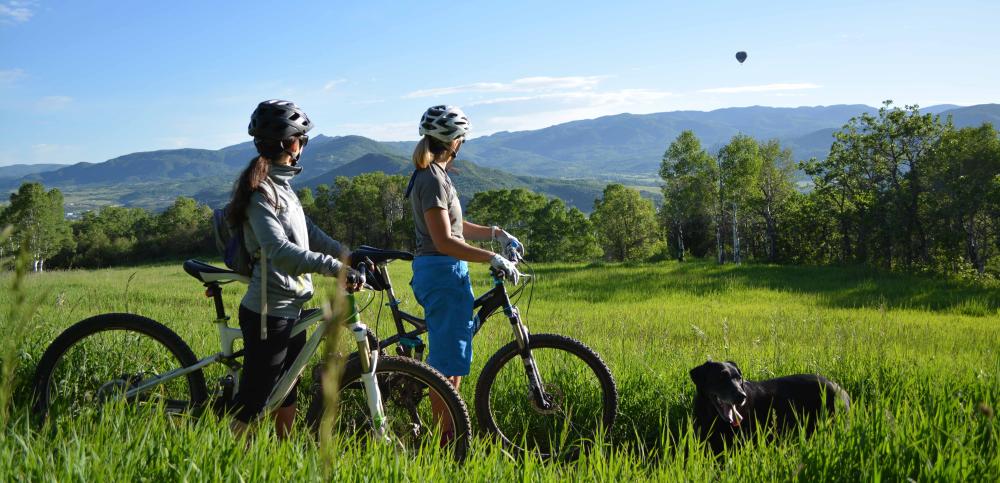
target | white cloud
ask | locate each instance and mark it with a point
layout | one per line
(10, 76)
(16, 11)
(761, 88)
(525, 84)
(53, 103)
(329, 86)
(559, 99)
(591, 97)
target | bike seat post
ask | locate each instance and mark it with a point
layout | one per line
(214, 290)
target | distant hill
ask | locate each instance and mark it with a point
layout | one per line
(974, 115)
(172, 164)
(624, 148)
(634, 144)
(388, 164)
(15, 171)
(630, 144)
(471, 179)
(813, 145)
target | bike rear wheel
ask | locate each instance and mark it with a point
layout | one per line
(579, 386)
(407, 387)
(97, 360)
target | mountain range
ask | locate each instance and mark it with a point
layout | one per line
(572, 160)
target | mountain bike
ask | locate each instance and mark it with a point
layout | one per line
(133, 360)
(544, 393)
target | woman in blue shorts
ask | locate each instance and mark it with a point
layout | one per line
(440, 272)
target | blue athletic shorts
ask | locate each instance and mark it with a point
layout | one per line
(441, 285)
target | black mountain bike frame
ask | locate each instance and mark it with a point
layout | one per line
(410, 344)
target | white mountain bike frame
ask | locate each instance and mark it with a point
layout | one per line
(229, 335)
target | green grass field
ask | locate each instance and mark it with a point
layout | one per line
(920, 358)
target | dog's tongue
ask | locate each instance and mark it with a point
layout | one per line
(733, 415)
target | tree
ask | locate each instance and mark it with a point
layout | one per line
(40, 226)
(561, 234)
(510, 209)
(111, 236)
(689, 189)
(775, 187)
(963, 210)
(876, 175)
(625, 223)
(184, 228)
(367, 209)
(739, 168)
(581, 239)
(306, 198)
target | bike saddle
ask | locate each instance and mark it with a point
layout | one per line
(210, 273)
(378, 255)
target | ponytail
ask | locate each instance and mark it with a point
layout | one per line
(249, 181)
(427, 151)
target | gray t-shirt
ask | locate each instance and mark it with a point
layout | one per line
(432, 188)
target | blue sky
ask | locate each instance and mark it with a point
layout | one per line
(88, 81)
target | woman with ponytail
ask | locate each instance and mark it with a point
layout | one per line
(288, 246)
(440, 273)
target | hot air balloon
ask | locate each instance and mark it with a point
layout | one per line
(741, 56)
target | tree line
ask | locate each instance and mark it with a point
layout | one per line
(114, 235)
(898, 190)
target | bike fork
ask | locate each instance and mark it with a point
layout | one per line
(535, 384)
(369, 361)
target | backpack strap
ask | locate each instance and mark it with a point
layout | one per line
(263, 267)
(409, 187)
(263, 295)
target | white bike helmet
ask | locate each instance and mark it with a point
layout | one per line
(444, 123)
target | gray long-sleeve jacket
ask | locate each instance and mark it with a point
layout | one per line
(293, 245)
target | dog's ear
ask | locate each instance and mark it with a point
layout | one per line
(698, 373)
(738, 371)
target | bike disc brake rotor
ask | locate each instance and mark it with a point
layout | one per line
(553, 395)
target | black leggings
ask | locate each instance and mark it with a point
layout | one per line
(265, 361)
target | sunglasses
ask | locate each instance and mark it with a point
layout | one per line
(303, 140)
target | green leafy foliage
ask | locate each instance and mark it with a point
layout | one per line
(690, 185)
(625, 223)
(550, 230)
(899, 189)
(905, 190)
(40, 230)
(366, 209)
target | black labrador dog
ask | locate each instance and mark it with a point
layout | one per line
(726, 405)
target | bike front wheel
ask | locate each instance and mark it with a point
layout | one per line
(423, 409)
(582, 400)
(99, 360)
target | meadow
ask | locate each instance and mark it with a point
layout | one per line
(919, 356)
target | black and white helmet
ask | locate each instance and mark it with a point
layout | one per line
(444, 123)
(276, 120)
